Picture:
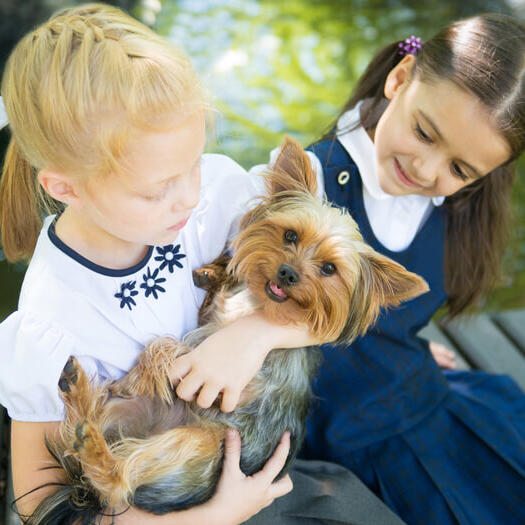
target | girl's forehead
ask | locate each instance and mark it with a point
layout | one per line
(172, 150)
(460, 122)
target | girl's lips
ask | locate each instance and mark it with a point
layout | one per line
(179, 225)
(401, 175)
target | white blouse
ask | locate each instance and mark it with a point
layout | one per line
(70, 306)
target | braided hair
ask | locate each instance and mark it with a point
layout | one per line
(75, 89)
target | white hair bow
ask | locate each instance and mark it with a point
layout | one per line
(3, 116)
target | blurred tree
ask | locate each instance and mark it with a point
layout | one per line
(284, 67)
(287, 67)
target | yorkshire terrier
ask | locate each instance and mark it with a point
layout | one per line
(297, 259)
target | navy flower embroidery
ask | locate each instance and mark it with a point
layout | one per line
(126, 294)
(151, 283)
(169, 255)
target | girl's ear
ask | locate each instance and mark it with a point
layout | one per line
(399, 75)
(58, 186)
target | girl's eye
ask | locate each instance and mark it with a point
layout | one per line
(458, 172)
(422, 135)
(328, 269)
(154, 197)
(290, 237)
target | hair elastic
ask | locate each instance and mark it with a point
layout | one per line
(409, 46)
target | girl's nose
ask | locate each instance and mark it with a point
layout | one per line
(427, 169)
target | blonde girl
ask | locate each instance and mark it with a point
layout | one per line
(108, 131)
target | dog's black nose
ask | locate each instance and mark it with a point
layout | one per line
(287, 276)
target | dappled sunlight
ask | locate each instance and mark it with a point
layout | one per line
(287, 67)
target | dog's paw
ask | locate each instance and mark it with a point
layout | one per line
(69, 375)
(204, 278)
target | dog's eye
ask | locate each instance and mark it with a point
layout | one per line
(328, 269)
(290, 237)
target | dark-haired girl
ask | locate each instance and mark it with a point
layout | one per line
(423, 156)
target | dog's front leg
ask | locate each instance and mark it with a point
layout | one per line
(151, 375)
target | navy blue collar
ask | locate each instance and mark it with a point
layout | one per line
(91, 265)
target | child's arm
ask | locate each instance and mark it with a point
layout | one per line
(238, 497)
(227, 360)
(28, 456)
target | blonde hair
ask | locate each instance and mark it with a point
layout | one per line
(74, 90)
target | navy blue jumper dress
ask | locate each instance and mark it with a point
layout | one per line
(438, 448)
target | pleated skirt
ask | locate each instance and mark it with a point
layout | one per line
(464, 463)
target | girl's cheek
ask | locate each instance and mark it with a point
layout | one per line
(448, 188)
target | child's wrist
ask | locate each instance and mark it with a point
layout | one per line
(275, 335)
(212, 514)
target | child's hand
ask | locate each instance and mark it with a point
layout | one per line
(224, 362)
(238, 497)
(443, 356)
(228, 359)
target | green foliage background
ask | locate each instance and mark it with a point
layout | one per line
(279, 67)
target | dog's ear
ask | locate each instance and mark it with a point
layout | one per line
(292, 170)
(392, 283)
(382, 283)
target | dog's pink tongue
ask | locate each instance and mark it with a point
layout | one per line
(277, 291)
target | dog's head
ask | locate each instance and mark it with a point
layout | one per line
(305, 261)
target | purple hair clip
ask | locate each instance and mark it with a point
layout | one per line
(409, 46)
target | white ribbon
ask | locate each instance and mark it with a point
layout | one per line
(3, 116)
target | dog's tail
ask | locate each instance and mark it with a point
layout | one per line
(58, 509)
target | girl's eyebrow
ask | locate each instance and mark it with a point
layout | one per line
(430, 122)
(167, 179)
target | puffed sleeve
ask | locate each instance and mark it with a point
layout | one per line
(228, 193)
(33, 353)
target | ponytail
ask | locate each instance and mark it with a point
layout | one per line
(20, 220)
(22, 204)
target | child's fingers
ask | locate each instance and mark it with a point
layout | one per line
(445, 352)
(278, 459)
(447, 363)
(208, 394)
(189, 386)
(443, 356)
(232, 451)
(230, 398)
(180, 368)
(438, 347)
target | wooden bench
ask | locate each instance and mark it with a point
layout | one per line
(491, 342)
(494, 343)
